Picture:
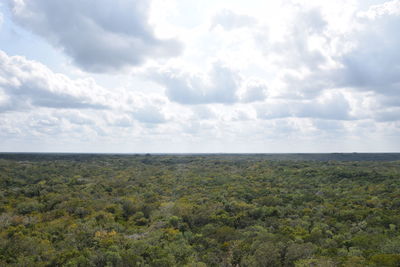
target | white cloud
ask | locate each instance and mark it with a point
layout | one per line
(229, 20)
(149, 114)
(218, 85)
(28, 84)
(297, 50)
(286, 77)
(373, 64)
(316, 57)
(106, 37)
(254, 90)
(202, 112)
(386, 8)
(387, 115)
(329, 106)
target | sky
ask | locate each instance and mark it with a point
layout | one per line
(185, 76)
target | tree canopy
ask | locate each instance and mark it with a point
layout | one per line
(197, 210)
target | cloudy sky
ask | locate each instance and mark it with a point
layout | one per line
(135, 76)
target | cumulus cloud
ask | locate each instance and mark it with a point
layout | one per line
(386, 8)
(149, 114)
(229, 20)
(374, 63)
(296, 49)
(273, 110)
(124, 121)
(364, 59)
(28, 86)
(219, 85)
(279, 79)
(76, 117)
(107, 36)
(203, 112)
(5, 103)
(329, 106)
(254, 91)
(328, 126)
(388, 115)
(25, 84)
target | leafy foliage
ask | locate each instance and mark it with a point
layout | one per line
(197, 210)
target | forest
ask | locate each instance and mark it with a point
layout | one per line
(200, 210)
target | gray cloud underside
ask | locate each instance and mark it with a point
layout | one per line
(107, 35)
(375, 63)
(334, 107)
(218, 86)
(149, 114)
(254, 92)
(372, 65)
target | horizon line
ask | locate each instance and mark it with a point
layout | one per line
(189, 153)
